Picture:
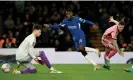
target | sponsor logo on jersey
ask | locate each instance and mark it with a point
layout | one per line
(72, 27)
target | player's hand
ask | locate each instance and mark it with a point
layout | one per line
(122, 54)
(111, 19)
(37, 60)
(95, 27)
(46, 25)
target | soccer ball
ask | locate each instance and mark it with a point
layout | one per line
(6, 67)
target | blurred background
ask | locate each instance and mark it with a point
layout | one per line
(18, 17)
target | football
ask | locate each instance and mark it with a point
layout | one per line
(6, 67)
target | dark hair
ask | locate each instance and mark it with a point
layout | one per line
(37, 27)
(122, 23)
(69, 9)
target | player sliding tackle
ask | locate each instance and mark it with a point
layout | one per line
(73, 24)
(129, 69)
(109, 40)
(26, 53)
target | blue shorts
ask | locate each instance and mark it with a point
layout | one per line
(79, 41)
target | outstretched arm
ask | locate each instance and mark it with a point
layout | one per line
(115, 43)
(111, 19)
(52, 26)
(62, 24)
(117, 48)
(86, 21)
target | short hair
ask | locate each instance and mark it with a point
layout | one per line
(69, 9)
(121, 23)
(37, 27)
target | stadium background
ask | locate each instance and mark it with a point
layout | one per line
(17, 18)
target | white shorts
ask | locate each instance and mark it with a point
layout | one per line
(26, 61)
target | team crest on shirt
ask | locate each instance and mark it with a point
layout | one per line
(80, 40)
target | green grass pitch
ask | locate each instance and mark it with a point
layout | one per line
(73, 72)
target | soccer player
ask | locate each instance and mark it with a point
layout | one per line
(73, 24)
(25, 53)
(129, 69)
(109, 40)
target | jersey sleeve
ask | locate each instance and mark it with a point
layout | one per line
(85, 21)
(55, 26)
(62, 24)
(31, 49)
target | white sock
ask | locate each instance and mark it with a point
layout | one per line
(52, 69)
(90, 60)
(88, 49)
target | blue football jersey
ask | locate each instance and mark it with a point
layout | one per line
(74, 25)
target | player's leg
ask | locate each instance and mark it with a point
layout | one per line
(111, 51)
(85, 54)
(97, 51)
(89, 49)
(76, 42)
(129, 69)
(81, 44)
(107, 62)
(105, 56)
(82, 39)
(29, 68)
(44, 59)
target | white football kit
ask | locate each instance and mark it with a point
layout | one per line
(26, 51)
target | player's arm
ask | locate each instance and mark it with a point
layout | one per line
(88, 22)
(31, 49)
(115, 43)
(111, 19)
(52, 26)
(31, 53)
(62, 24)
